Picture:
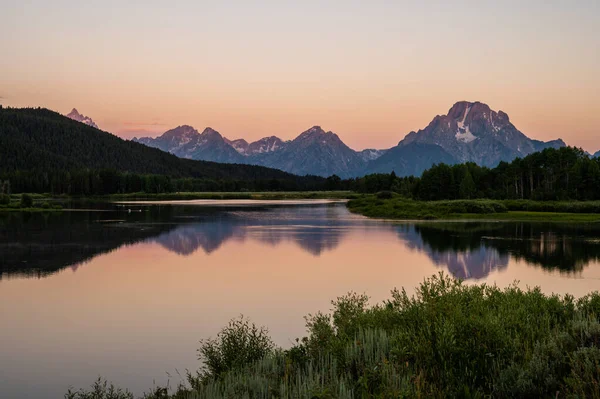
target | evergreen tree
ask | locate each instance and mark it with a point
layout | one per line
(467, 187)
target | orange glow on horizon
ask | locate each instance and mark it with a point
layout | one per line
(370, 73)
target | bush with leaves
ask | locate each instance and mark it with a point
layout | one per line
(26, 201)
(238, 344)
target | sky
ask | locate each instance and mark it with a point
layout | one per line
(369, 71)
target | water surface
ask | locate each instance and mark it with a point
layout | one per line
(126, 291)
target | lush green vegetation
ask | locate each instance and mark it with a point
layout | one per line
(563, 174)
(45, 152)
(27, 202)
(448, 340)
(387, 205)
(384, 205)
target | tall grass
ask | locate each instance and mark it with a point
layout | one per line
(396, 207)
(392, 206)
(553, 206)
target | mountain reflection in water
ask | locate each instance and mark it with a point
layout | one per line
(37, 245)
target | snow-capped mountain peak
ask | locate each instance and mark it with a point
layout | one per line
(185, 142)
(473, 132)
(76, 116)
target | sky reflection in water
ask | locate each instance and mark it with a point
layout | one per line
(128, 295)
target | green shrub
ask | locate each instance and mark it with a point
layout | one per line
(45, 205)
(26, 201)
(4, 199)
(238, 344)
(385, 194)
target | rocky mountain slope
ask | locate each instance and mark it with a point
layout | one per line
(411, 159)
(186, 142)
(314, 152)
(470, 132)
(262, 146)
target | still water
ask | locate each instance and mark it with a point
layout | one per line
(127, 295)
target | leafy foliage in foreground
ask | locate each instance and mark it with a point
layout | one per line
(448, 340)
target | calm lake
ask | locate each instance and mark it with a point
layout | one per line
(128, 295)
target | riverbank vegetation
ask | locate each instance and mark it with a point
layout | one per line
(130, 168)
(448, 340)
(27, 203)
(565, 174)
(388, 205)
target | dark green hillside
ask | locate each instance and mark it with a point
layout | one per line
(43, 139)
(41, 142)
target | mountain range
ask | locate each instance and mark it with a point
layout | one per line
(469, 132)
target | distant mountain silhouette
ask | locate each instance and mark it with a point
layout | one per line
(470, 132)
(186, 142)
(410, 160)
(75, 115)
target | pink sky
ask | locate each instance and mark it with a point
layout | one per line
(371, 72)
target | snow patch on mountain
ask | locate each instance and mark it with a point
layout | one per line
(464, 133)
(76, 116)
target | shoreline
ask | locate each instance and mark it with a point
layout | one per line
(398, 209)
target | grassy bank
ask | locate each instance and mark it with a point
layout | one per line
(391, 206)
(448, 340)
(27, 203)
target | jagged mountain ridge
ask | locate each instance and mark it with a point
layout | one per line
(186, 142)
(76, 116)
(313, 152)
(470, 132)
(371, 154)
(262, 146)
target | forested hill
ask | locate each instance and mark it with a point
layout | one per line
(565, 173)
(43, 140)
